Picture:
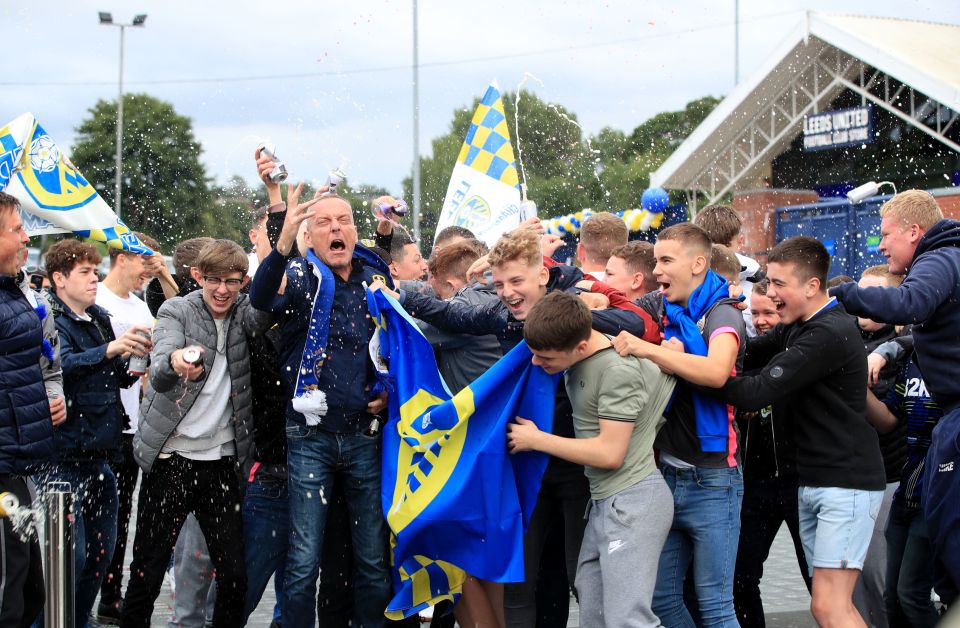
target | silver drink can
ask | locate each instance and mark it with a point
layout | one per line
(334, 179)
(195, 357)
(138, 364)
(279, 172)
(528, 209)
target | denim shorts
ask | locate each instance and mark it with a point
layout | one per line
(836, 525)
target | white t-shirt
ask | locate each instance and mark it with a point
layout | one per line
(206, 432)
(124, 313)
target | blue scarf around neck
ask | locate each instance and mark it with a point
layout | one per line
(308, 398)
(711, 413)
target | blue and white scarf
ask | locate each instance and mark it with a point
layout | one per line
(308, 398)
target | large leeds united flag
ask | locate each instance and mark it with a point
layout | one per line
(455, 501)
(484, 190)
(54, 197)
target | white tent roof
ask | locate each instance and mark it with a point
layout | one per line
(923, 55)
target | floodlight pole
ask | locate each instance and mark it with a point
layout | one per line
(416, 130)
(119, 166)
(736, 42)
(106, 19)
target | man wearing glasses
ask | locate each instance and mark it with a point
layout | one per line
(195, 429)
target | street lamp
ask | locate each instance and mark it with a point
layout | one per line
(106, 19)
(416, 128)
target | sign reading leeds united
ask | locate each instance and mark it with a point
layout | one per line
(835, 129)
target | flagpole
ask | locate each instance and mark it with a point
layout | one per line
(416, 130)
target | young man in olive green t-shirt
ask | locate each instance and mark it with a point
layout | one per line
(618, 404)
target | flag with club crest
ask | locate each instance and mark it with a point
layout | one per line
(455, 501)
(54, 197)
(484, 190)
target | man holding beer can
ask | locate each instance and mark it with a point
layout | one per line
(94, 363)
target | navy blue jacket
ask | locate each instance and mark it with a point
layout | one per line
(91, 385)
(347, 376)
(929, 297)
(26, 434)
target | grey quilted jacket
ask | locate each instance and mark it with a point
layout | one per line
(184, 321)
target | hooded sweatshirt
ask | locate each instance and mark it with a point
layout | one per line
(929, 297)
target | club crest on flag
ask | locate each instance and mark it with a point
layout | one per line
(54, 196)
(455, 501)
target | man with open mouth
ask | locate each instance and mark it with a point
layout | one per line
(320, 303)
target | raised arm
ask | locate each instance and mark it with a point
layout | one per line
(930, 284)
(455, 316)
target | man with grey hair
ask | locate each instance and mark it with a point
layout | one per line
(26, 433)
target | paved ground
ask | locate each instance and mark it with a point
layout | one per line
(786, 601)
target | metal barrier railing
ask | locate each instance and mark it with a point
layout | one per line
(59, 567)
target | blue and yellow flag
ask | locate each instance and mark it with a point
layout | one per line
(484, 190)
(455, 501)
(54, 197)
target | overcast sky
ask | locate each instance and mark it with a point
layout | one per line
(614, 63)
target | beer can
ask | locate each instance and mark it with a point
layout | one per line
(334, 178)
(279, 172)
(528, 209)
(138, 364)
(194, 356)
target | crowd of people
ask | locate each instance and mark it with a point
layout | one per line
(704, 403)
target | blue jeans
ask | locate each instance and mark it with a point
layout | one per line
(706, 530)
(313, 456)
(95, 504)
(266, 533)
(909, 568)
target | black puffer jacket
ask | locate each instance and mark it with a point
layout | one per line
(26, 434)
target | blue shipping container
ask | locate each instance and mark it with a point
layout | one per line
(851, 232)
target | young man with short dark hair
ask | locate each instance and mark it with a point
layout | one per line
(406, 261)
(724, 226)
(618, 404)
(94, 361)
(630, 269)
(699, 453)
(814, 373)
(195, 431)
(451, 235)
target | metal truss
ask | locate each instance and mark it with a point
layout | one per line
(820, 79)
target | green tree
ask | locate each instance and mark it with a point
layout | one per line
(165, 190)
(233, 208)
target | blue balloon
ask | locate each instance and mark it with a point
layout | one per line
(654, 200)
